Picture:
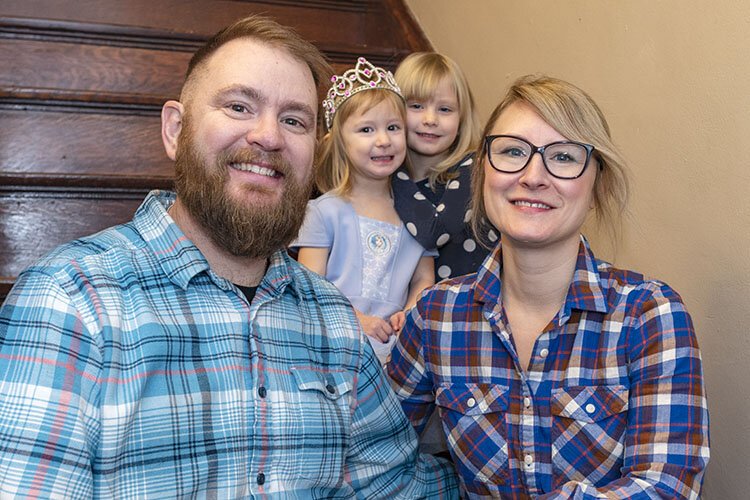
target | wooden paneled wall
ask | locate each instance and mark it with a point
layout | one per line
(81, 88)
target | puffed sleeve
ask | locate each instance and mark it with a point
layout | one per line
(315, 232)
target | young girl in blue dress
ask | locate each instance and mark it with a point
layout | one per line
(352, 234)
(432, 191)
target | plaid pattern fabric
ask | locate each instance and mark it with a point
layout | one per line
(128, 369)
(612, 404)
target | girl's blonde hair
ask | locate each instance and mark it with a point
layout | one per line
(419, 75)
(575, 115)
(332, 168)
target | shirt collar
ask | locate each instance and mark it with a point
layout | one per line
(180, 258)
(586, 291)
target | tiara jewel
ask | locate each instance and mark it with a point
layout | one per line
(364, 76)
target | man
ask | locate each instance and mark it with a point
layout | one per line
(184, 354)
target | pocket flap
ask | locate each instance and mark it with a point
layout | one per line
(589, 403)
(473, 399)
(332, 384)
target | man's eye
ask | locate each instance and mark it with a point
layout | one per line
(293, 122)
(238, 108)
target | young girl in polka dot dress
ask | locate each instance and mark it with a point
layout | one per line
(352, 235)
(432, 193)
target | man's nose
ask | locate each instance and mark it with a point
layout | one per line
(266, 132)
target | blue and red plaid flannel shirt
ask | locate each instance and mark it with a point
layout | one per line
(612, 403)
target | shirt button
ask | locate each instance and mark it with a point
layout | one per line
(528, 460)
(331, 389)
(262, 391)
(471, 402)
(526, 402)
(543, 353)
(590, 408)
(260, 479)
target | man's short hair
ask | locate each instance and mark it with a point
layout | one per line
(270, 32)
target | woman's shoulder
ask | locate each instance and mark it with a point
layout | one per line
(449, 292)
(634, 286)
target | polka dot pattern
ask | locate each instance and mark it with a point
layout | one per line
(492, 235)
(444, 271)
(440, 218)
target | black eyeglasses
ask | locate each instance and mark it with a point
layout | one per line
(563, 159)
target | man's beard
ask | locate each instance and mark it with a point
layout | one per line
(240, 227)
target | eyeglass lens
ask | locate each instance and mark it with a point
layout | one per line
(563, 159)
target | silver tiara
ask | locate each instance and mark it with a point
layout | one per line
(364, 76)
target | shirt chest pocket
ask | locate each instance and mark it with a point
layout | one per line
(319, 425)
(591, 418)
(473, 418)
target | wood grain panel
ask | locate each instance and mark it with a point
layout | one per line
(91, 144)
(32, 224)
(69, 66)
(334, 23)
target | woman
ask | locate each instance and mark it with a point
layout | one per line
(555, 374)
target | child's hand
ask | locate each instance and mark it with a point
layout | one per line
(397, 321)
(375, 327)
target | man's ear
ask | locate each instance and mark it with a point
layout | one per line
(171, 125)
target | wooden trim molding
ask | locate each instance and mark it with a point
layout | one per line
(98, 34)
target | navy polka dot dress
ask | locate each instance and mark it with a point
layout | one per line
(441, 219)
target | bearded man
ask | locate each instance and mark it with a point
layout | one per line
(184, 354)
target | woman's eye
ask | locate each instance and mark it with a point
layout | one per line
(515, 152)
(563, 158)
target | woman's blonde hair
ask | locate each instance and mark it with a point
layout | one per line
(419, 75)
(575, 115)
(332, 170)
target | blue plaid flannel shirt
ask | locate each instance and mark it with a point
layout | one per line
(129, 369)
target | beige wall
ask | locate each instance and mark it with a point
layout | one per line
(673, 78)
